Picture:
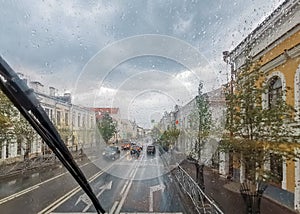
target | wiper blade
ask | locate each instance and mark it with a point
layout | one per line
(26, 102)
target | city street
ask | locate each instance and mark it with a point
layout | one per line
(124, 185)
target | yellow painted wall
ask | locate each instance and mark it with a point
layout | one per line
(288, 69)
(288, 43)
(290, 173)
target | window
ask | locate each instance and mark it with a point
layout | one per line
(19, 147)
(78, 121)
(66, 119)
(73, 119)
(83, 121)
(58, 118)
(274, 91)
(91, 122)
(51, 114)
(47, 111)
(276, 168)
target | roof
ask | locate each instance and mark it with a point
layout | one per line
(101, 111)
(106, 110)
(287, 8)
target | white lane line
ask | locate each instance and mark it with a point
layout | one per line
(112, 210)
(68, 195)
(124, 187)
(61, 200)
(29, 189)
(18, 194)
(120, 205)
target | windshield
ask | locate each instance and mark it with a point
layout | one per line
(161, 106)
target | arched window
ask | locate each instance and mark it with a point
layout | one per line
(274, 91)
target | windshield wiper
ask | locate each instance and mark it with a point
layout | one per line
(26, 102)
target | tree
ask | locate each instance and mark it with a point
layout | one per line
(155, 133)
(107, 127)
(168, 138)
(5, 113)
(254, 129)
(24, 134)
(8, 115)
(201, 120)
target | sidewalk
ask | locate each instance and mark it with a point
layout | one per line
(227, 193)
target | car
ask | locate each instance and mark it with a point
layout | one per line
(111, 152)
(125, 146)
(151, 150)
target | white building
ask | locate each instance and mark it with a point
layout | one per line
(76, 125)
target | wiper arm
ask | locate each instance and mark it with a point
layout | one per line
(26, 102)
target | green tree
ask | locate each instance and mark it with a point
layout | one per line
(254, 130)
(168, 138)
(8, 115)
(155, 133)
(201, 121)
(107, 127)
(25, 135)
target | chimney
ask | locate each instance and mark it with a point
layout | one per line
(37, 86)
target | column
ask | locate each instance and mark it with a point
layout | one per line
(242, 169)
(283, 183)
(224, 164)
(297, 182)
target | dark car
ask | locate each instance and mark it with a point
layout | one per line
(111, 152)
(151, 150)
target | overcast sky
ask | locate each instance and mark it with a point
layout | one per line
(142, 56)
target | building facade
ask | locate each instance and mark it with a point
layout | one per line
(126, 129)
(184, 118)
(276, 43)
(76, 125)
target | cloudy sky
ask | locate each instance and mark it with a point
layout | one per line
(144, 57)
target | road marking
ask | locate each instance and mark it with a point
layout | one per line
(68, 195)
(112, 210)
(154, 189)
(120, 205)
(124, 187)
(19, 194)
(29, 189)
(103, 188)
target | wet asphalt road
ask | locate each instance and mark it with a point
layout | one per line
(124, 185)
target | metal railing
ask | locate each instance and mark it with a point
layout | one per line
(203, 204)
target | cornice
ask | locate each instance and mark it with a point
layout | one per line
(282, 58)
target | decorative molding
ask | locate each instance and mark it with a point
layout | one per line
(294, 52)
(274, 63)
(283, 81)
(297, 92)
(282, 58)
(277, 27)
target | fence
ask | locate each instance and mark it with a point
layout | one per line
(201, 201)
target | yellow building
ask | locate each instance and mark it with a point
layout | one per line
(276, 41)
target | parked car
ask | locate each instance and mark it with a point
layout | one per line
(151, 150)
(111, 152)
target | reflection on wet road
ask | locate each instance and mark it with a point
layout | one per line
(124, 185)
